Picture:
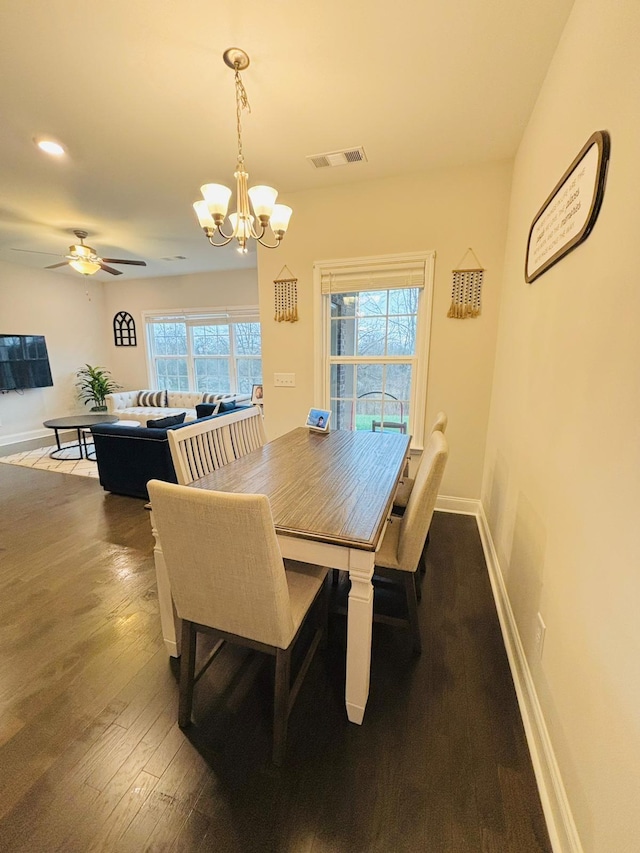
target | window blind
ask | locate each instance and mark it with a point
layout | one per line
(372, 276)
(241, 314)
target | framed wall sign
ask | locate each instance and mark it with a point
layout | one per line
(569, 214)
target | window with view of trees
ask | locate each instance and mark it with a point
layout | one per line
(216, 353)
(375, 344)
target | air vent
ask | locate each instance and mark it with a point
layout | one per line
(175, 258)
(338, 158)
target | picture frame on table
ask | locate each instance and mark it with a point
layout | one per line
(318, 420)
(257, 395)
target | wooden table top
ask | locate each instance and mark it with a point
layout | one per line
(336, 487)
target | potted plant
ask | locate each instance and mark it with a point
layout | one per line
(93, 384)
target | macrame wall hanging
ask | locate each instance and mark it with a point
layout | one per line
(466, 290)
(286, 296)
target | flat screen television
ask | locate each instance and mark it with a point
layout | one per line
(24, 362)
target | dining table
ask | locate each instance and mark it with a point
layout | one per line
(331, 496)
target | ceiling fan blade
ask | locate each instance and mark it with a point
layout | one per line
(110, 269)
(55, 266)
(121, 261)
(36, 252)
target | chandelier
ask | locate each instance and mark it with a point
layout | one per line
(212, 211)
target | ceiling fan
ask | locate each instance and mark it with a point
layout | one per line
(86, 260)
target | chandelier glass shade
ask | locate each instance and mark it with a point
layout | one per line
(212, 209)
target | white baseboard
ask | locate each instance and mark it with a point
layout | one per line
(18, 437)
(559, 819)
(462, 506)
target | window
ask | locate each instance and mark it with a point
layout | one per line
(217, 351)
(374, 333)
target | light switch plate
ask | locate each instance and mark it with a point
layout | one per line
(284, 380)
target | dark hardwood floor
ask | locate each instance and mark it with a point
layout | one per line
(91, 758)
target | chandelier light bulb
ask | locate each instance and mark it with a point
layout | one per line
(217, 197)
(280, 219)
(262, 201)
(204, 215)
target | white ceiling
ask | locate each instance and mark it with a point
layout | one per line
(139, 94)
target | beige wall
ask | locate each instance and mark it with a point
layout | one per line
(69, 312)
(562, 482)
(200, 290)
(447, 211)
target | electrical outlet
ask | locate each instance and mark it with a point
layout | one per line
(541, 629)
(284, 380)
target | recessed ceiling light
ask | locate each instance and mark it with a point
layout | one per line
(50, 146)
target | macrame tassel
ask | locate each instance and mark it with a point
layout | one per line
(286, 299)
(466, 292)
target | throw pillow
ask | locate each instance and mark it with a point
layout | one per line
(213, 398)
(171, 420)
(152, 399)
(227, 406)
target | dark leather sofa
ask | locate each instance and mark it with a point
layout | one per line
(128, 457)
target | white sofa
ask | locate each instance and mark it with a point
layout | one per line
(124, 404)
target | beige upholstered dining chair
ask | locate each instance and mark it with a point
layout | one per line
(405, 486)
(404, 539)
(227, 577)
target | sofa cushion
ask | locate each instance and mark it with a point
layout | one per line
(152, 398)
(142, 414)
(163, 423)
(220, 408)
(183, 399)
(214, 398)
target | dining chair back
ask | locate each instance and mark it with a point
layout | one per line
(204, 446)
(247, 432)
(440, 423)
(405, 536)
(422, 501)
(227, 576)
(405, 486)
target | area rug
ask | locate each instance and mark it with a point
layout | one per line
(39, 458)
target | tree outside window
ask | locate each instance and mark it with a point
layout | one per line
(371, 362)
(198, 354)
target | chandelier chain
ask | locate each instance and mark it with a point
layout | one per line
(242, 103)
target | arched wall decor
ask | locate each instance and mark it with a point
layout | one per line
(124, 330)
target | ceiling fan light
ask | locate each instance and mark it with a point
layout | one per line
(81, 251)
(217, 198)
(86, 267)
(263, 199)
(280, 219)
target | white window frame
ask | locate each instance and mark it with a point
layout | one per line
(196, 317)
(368, 269)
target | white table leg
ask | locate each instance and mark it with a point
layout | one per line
(359, 564)
(171, 624)
(359, 628)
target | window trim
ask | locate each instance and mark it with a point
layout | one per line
(197, 316)
(377, 265)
